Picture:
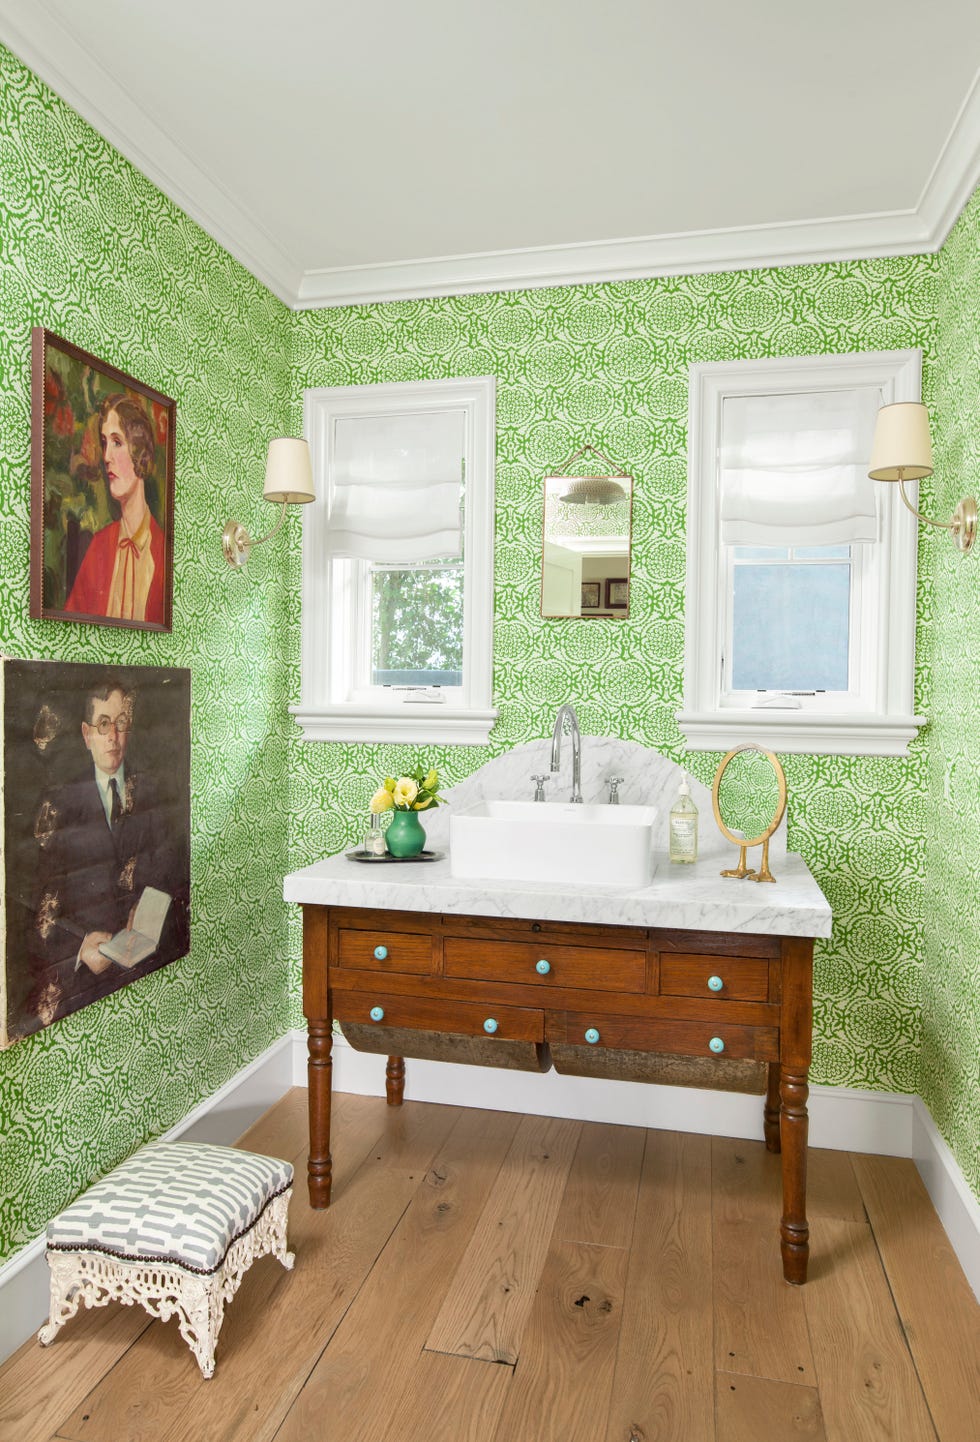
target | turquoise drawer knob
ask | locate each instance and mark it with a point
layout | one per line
(715, 983)
(716, 1045)
(380, 952)
(542, 967)
(490, 1026)
(592, 1036)
(377, 1013)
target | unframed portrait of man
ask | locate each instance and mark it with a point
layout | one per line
(96, 829)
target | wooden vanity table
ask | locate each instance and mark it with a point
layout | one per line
(584, 995)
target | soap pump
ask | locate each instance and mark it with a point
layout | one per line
(684, 826)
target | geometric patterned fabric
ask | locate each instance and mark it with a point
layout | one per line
(183, 1203)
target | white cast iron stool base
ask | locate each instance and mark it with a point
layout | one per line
(164, 1289)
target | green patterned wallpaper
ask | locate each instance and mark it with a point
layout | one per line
(608, 363)
(951, 975)
(91, 250)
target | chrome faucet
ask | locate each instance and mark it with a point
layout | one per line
(567, 713)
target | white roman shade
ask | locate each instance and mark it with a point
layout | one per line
(395, 486)
(794, 468)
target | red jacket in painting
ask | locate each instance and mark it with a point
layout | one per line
(90, 593)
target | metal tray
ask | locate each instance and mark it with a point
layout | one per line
(374, 860)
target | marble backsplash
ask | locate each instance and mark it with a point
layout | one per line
(649, 779)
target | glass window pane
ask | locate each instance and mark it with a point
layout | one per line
(790, 628)
(761, 553)
(417, 628)
(821, 553)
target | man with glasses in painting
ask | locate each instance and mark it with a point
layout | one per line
(101, 841)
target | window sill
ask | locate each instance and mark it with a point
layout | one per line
(805, 732)
(414, 724)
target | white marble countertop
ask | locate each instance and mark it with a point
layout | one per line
(693, 898)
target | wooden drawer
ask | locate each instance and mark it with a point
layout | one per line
(742, 978)
(384, 951)
(514, 1023)
(591, 967)
(685, 1038)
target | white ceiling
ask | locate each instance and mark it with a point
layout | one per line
(394, 147)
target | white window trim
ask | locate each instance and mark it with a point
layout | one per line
(887, 727)
(325, 719)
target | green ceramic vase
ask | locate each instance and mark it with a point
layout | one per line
(405, 836)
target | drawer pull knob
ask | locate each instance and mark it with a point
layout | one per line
(716, 1045)
(490, 1026)
(715, 983)
(380, 952)
(542, 967)
(377, 1013)
(592, 1036)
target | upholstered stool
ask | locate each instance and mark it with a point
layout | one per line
(174, 1228)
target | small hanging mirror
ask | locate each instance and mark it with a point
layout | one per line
(585, 559)
(748, 797)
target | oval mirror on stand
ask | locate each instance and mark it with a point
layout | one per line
(748, 797)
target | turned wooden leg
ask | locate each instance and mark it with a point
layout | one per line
(395, 1080)
(794, 1233)
(320, 1070)
(770, 1114)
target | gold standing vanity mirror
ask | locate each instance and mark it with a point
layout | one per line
(748, 797)
(585, 555)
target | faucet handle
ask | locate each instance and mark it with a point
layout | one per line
(615, 782)
(539, 786)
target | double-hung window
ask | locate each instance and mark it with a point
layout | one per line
(800, 618)
(398, 563)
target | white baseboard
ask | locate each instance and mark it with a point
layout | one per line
(220, 1118)
(889, 1124)
(841, 1118)
(958, 1208)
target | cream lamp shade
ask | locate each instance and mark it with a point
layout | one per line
(901, 450)
(288, 481)
(288, 472)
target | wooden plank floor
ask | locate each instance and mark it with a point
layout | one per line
(484, 1277)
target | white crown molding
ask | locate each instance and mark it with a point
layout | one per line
(956, 173)
(685, 253)
(55, 56)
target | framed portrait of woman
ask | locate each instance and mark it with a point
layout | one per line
(102, 491)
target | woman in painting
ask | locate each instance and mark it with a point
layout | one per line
(122, 572)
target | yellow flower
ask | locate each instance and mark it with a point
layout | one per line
(389, 783)
(421, 805)
(432, 780)
(405, 791)
(381, 801)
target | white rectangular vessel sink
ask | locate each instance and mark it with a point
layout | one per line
(550, 841)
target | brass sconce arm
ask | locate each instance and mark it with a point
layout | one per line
(964, 522)
(236, 543)
(288, 481)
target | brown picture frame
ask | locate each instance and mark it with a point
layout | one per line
(80, 509)
(591, 597)
(617, 593)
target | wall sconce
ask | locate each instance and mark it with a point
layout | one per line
(902, 451)
(288, 480)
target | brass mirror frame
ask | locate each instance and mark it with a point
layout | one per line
(616, 473)
(742, 871)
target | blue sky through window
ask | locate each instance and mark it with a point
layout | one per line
(791, 619)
